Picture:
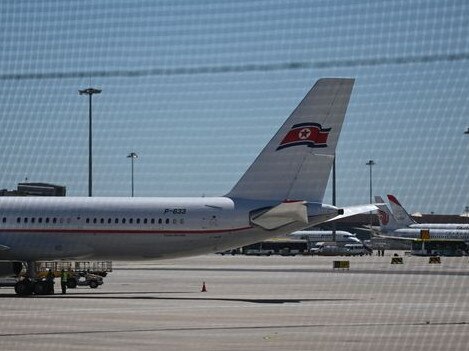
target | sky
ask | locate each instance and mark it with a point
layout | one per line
(197, 89)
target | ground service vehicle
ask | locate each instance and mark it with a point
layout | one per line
(355, 250)
(328, 249)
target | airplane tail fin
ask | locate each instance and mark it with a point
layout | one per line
(400, 214)
(387, 222)
(297, 161)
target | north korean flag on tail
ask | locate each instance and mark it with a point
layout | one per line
(309, 134)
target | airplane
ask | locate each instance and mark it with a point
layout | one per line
(341, 237)
(403, 217)
(281, 192)
(391, 228)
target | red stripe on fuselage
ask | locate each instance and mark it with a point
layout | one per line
(121, 231)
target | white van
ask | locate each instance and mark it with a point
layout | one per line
(355, 249)
(328, 249)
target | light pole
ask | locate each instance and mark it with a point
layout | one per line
(467, 207)
(371, 163)
(334, 226)
(90, 92)
(132, 157)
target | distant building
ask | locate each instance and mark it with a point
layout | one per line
(35, 189)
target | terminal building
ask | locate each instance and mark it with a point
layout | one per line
(35, 189)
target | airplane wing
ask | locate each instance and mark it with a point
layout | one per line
(353, 210)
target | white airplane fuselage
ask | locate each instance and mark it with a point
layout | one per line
(448, 226)
(312, 236)
(434, 234)
(47, 228)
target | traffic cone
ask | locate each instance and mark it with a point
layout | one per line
(204, 289)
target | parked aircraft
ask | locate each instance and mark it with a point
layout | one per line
(403, 217)
(393, 229)
(313, 236)
(281, 192)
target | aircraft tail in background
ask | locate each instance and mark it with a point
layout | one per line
(296, 163)
(400, 214)
(387, 222)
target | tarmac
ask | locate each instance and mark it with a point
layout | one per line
(251, 303)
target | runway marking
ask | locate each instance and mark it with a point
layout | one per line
(301, 270)
(152, 330)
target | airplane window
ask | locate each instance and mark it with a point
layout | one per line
(102, 220)
(160, 221)
(123, 220)
(116, 220)
(39, 220)
(109, 220)
(167, 220)
(145, 221)
(54, 220)
(87, 220)
(4, 220)
(95, 220)
(26, 220)
(175, 221)
(152, 221)
(138, 220)
(18, 220)
(33, 220)
(131, 220)
(47, 219)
